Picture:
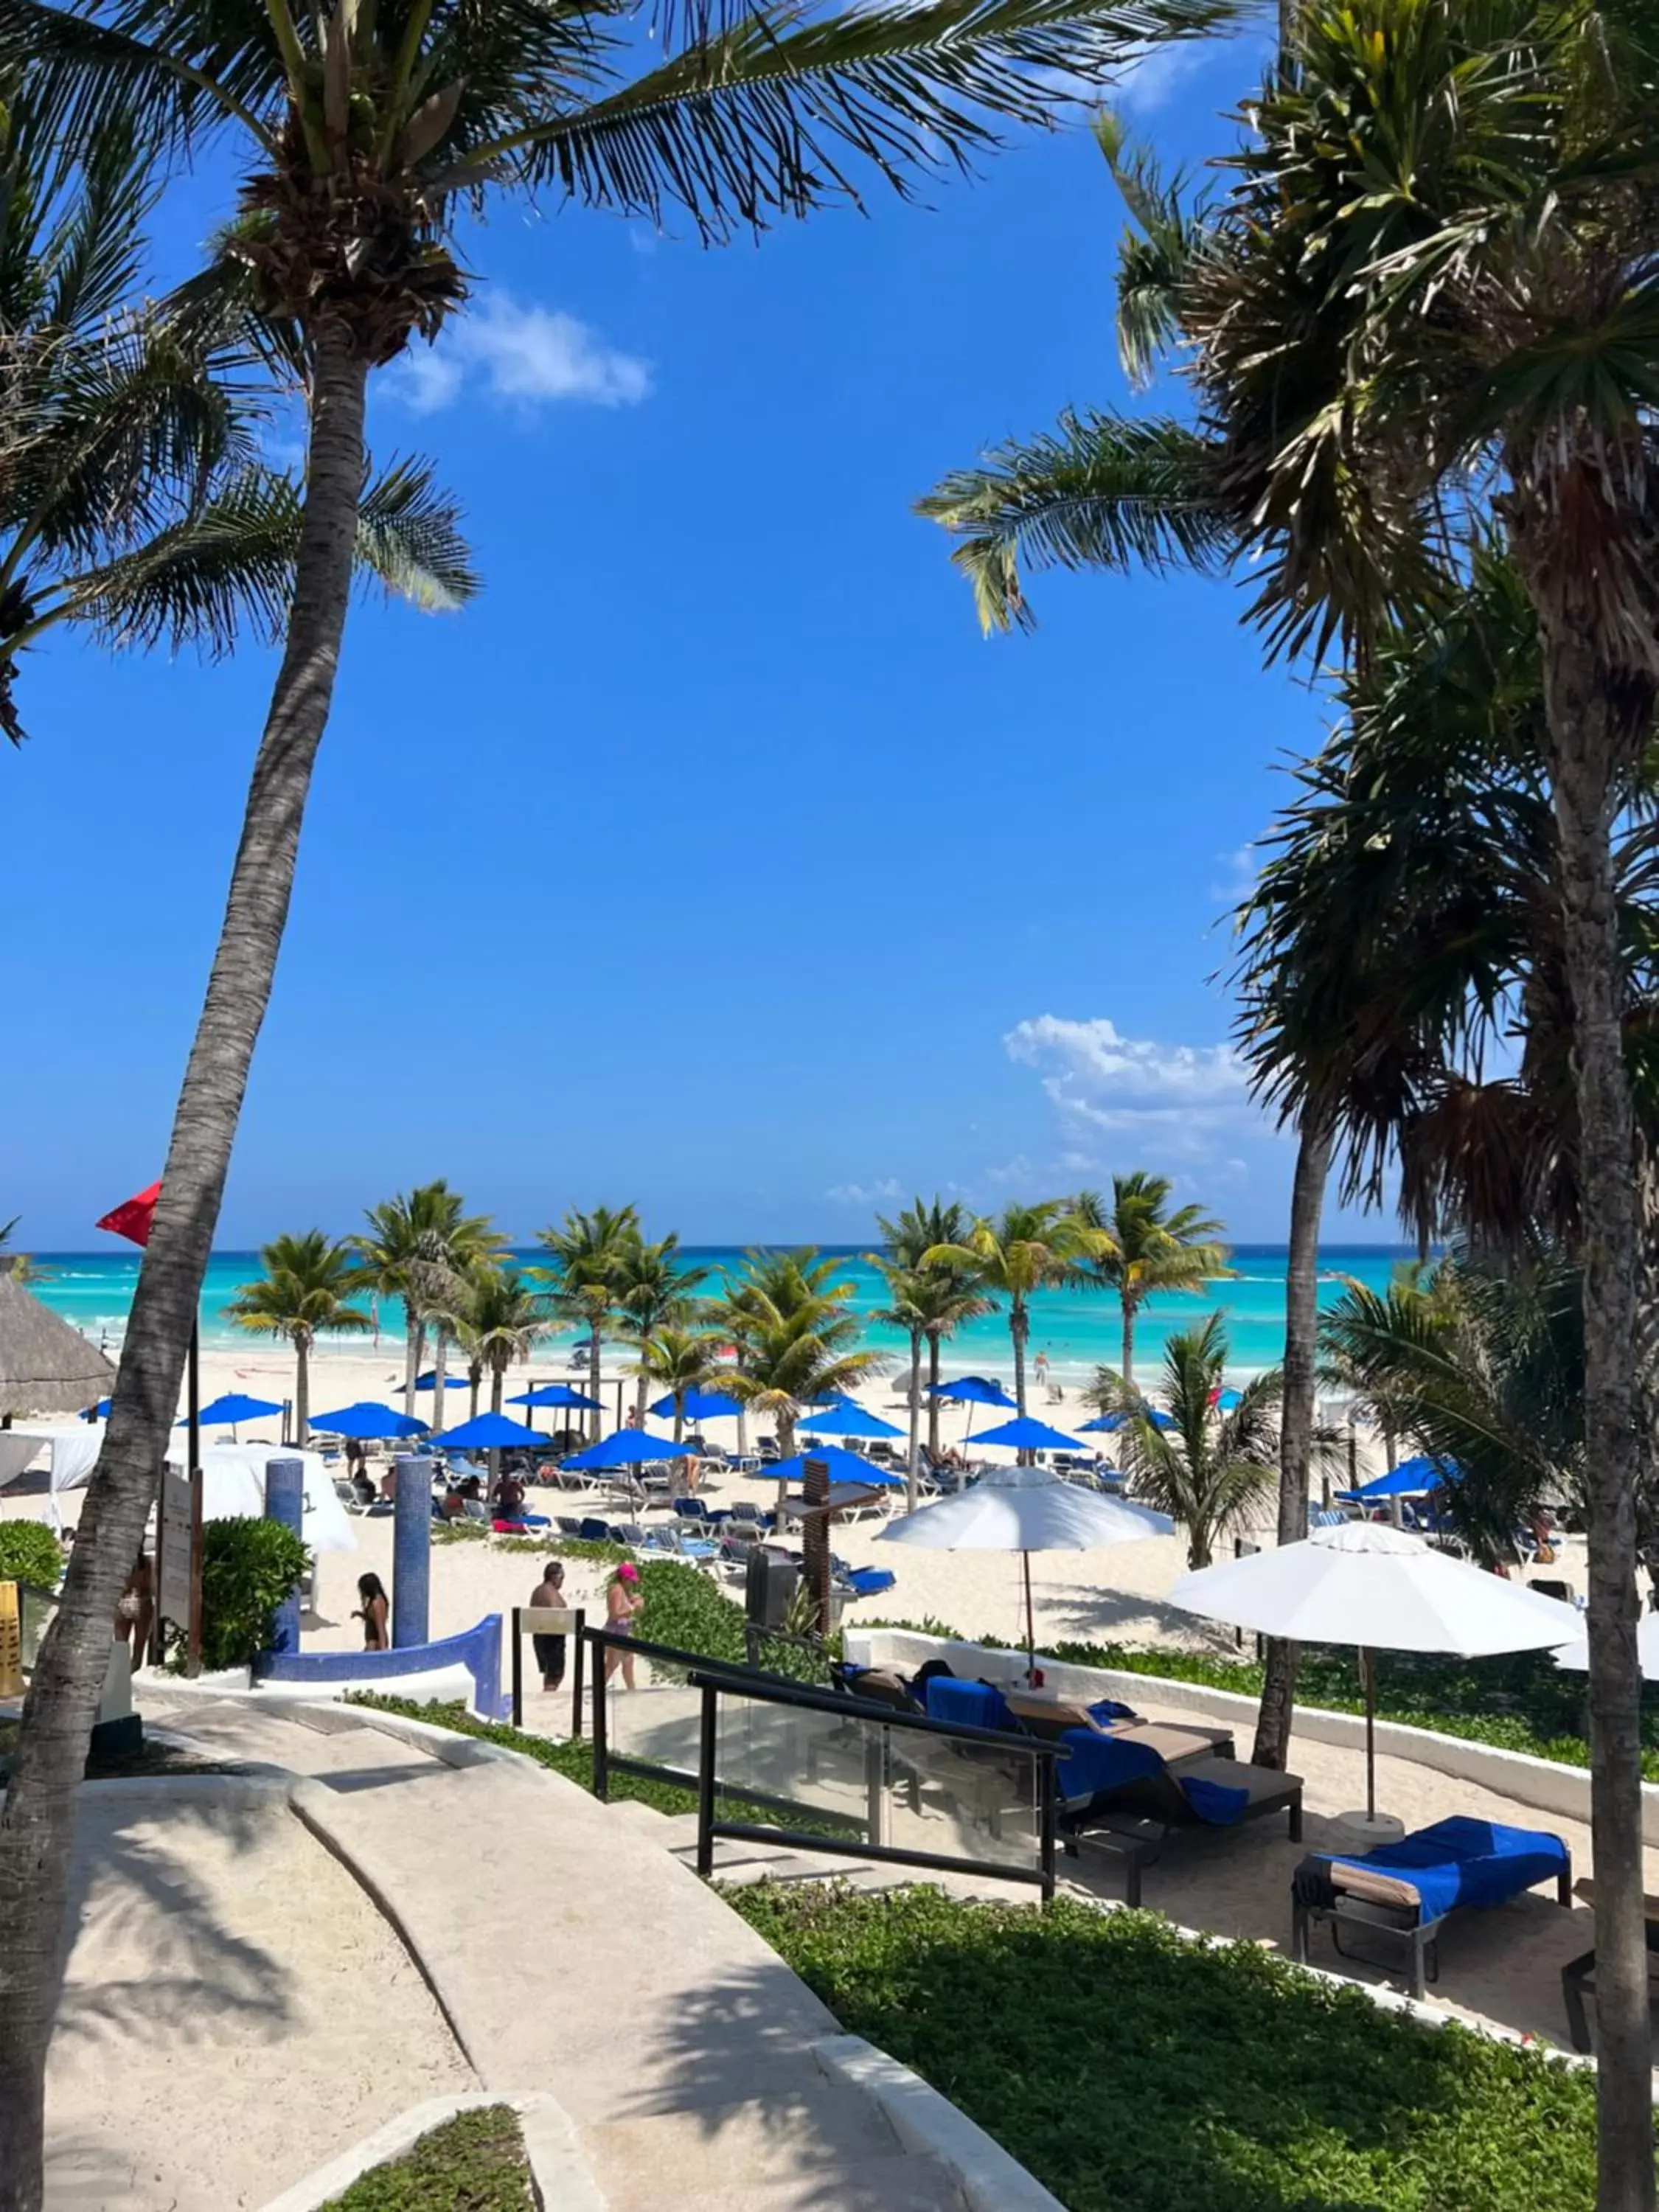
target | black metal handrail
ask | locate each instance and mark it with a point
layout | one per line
(604, 1760)
(715, 1684)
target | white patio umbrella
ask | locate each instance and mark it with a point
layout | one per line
(1026, 1510)
(1378, 1588)
(1576, 1655)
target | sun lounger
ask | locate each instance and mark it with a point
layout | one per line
(1174, 1741)
(1121, 1791)
(1407, 1891)
(1578, 1975)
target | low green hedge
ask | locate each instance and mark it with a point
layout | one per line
(1520, 1701)
(1133, 2071)
(474, 2163)
(29, 1553)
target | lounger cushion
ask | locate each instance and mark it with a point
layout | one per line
(968, 1705)
(1455, 1862)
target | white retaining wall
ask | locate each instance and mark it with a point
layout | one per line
(1540, 1784)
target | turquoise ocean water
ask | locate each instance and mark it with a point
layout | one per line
(1078, 1330)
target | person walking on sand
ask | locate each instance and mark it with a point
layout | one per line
(550, 1650)
(624, 1602)
(373, 1613)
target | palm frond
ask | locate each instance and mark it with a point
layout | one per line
(409, 538)
(1101, 491)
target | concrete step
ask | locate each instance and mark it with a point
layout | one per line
(897, 2184)
(812, 2125)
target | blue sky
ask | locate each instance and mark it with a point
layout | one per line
(711, 861)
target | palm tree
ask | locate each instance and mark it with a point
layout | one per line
(305, 1292)
(591, 1255)
(789, 1314)
(948, 1292)
(499, 1318)
(1153, 1249)
(907, 1290)
(1024, 1249)
(1208, 1470)
(681, 1360)
(655, 1291)
(421, 1247)
(370, 132)
(1483, 1366)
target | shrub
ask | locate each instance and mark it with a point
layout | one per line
(29, 1553)
(1132, 2070)
(473, 2163)
(248, 1567)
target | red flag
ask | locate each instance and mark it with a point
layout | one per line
(134, 1218)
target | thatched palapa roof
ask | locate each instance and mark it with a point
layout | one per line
(46, 1366)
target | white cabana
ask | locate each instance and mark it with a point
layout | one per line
(234, 1485)
(70, 1451)
(1576, 1655)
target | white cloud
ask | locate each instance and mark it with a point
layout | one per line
(1237, 876)
(1184, 1098)
(526, 355)
(880, 1192)
(1096, 1061)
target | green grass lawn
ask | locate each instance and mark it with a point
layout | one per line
(473, 2163)
(1132, 2071)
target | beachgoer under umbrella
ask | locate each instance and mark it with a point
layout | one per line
(373, 1613)
(550, 1650)
(624, 1602)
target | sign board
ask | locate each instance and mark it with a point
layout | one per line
(11, 1642)
(178, 1565)
(172, 1583)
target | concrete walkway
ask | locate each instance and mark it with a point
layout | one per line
(571, 1953)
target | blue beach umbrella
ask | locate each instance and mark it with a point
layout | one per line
(1226, 1399)
(830, 1398)
(848, 1420)
(557, 1394)
(1413, 1478)
(628, 1448)
(973, 1390)
(428, 1381)
(488, 1432)
(366, 1421)
(843, 1467)
(699, 1406)
(1027, 1434)
(234, 1407)
(1115, 1421)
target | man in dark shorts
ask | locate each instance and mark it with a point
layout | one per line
(550, 1650)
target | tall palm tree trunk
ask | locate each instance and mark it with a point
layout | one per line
(1585, 738)
(38, 1815)
(912, 1470)
(679, 1416)
(1296, 1415)
(414, 1346)
(1019, 1328)
(497, 1385)
(1128, 1342)
(640, 1385)
(474, 1385)
(934, 1343)
(301, 1389)
(439, 1374)
(596, 1418)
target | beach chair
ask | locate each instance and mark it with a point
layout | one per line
(1405, 1891)
(1119, 1791)
(867, 1582)
(568, 1524)
(591, 1530)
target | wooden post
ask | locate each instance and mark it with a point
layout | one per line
(11, 1642)
(815, 1538)
(578, 1667)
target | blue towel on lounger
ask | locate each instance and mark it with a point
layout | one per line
(1464, 1862)
(968, 1705)
(1093, 1763)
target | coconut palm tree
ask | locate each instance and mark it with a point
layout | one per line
(655, 1290)
(1153, 1249)
(421, 1247)
(680, 1359)
(305, 1292)
(789, 1314)
(1207, 1471)
(948, 1293)
(1481, 1366)
(591, 1255)
(499, 1316)
(364, 135)
(907, 1289)
(1025, 1249)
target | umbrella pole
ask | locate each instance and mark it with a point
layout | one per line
(1030, 1620)
(1368, 1676)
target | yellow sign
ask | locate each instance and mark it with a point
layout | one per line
(11, 1644)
